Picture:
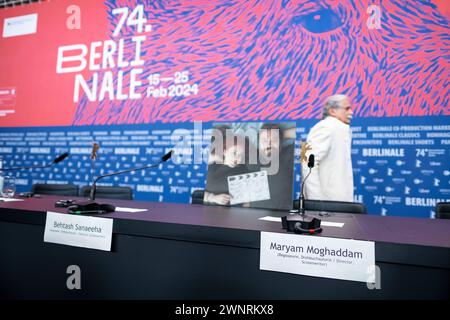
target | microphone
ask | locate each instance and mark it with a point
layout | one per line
(167, 156)
(164, 158)
(60, 158)
(55, 161)
(301, 199)
(311, 161)
(104, 208)
(301, 223)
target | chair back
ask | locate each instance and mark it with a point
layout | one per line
(55, 189)
(333, 206)
(197, 196)
(106, 192)
(443, 210)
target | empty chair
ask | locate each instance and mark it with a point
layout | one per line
(122, 193)
(333, 206)
(197, 196)
(55, 189)
(443, 210)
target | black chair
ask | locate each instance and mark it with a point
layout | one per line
(443, 210)
(197, 196)
(55, 189)
(333, 206)
(122, 193)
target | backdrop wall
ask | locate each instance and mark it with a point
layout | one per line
(128, 74)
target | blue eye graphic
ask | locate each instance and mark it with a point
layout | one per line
(320, 21)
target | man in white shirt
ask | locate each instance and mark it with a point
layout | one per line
(330, 142)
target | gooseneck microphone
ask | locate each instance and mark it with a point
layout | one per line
(55, 161)
(301, 199)
(300, 223)
(91, 207)
(164, 158)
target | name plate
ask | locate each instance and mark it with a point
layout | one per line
(79, 231)
(318, 256)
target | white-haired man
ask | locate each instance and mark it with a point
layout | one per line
(330, 142)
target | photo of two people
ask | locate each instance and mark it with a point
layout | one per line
(251, 164)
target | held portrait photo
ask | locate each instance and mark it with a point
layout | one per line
(251, 165)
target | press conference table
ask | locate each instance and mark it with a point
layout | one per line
(182, 251)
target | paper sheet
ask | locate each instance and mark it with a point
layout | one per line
(123, 209)
(9, 199)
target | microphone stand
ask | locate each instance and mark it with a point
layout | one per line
(94, 184)
(57, 160)
(300, 222)
(301, 198)
(90, 205)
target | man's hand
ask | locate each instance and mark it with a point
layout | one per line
(222, 198)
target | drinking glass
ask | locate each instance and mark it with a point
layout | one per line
(9, 187)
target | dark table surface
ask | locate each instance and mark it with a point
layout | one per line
(401, 230)
(180, 251)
